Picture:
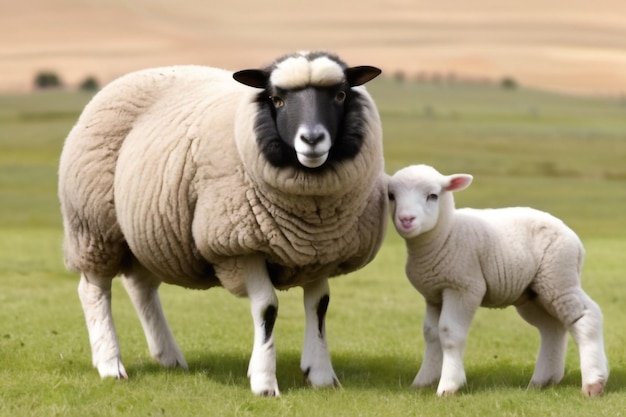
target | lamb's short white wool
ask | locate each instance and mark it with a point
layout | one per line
(189, 176)
(461, 259)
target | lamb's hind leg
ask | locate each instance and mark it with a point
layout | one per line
(142, 288)
(315, 362)
(430, 371)
(95, 296)
(550, 365)
(587, 332)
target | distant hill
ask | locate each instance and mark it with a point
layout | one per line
(576, 46)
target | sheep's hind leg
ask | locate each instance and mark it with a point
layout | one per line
(142, 288)
(430, 371)
(95, 297)
(550, 365)
(315, 361)
(264, 308)
(587, 333)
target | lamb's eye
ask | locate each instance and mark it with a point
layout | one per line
(278, 102)
(391, 197)
(432, 197)
(341, 96)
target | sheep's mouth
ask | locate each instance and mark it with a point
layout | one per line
(312, 159)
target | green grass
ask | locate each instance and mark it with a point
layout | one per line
(561, 154)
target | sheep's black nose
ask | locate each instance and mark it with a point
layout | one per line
(312, 138)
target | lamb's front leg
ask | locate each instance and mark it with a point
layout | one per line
(430, 371)
(264, 308)
(315, 362)
(456, 316)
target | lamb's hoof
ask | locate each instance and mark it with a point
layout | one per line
(593, 390)
(424, 382)
(172, 360)
(447, 393)
(447, 390)
(112, 369)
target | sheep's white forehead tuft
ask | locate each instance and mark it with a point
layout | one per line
(299, 71)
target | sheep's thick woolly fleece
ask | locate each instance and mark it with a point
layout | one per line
(164, 164)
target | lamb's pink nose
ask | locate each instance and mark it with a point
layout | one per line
(406, 221)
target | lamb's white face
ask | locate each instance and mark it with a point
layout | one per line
(415, 195)
(414, 206)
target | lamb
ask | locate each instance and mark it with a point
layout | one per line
(460, 259)
(201, 177)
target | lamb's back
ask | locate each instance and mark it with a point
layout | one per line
(516, 245)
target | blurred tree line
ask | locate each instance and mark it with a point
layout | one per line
(50, 79)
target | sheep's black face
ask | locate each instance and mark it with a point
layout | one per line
(309, 123)
(307, 120)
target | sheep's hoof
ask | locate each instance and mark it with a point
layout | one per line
(322, 379)
(268, 393)
(264, 385)
(593, 390)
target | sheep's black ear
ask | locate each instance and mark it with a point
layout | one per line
(252, 77)
(360, 75)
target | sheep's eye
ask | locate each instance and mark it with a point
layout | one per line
(432, 197)
(391, 197)
(341, 96)
(278, 102)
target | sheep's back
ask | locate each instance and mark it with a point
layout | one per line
(93, 239)
(183, 143)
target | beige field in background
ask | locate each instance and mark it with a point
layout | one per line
(576, 46)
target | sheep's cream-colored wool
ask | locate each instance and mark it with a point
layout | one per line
(164, 174)
(297, 71)
(163, 179)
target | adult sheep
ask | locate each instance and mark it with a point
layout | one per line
(466, 258)
(187, 175)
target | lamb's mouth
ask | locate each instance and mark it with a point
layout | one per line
(312, 159)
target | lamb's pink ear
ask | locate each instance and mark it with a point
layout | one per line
(458, 182)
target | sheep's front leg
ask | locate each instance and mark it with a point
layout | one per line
(95, 297)
(430, 371)
(456, 316)
(315, 362)
(264, 308)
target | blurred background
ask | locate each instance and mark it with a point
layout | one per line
(575, 46)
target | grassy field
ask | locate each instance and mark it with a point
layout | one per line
(561, 154)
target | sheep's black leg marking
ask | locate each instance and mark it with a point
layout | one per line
(322, 307)
(269, 319)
